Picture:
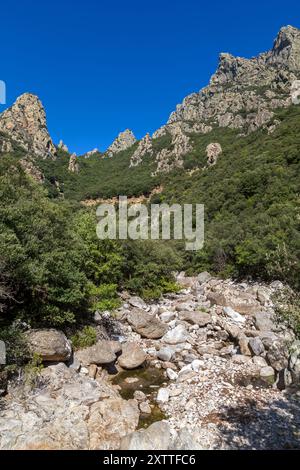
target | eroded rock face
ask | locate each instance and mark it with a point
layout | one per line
(144, 148)
(25, 123)
(170, 158)
(52, 345)
(31, 169)
(124, 141)
(213, 151)
(73, 164)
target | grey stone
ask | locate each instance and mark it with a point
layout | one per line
(51, 345)
(146, 325)
(132, 356)
(256, 346)
(156, 437)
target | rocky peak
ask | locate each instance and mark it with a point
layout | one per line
(25, 122)
(124, 140)
(286, 49)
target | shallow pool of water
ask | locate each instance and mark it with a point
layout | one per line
(148, 380)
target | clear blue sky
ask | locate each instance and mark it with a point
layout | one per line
(102, 66)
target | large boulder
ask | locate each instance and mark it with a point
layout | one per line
(195, 318)
(52, 345)
(155, 437)
(103, 352)
(146, 325)
(132, 356)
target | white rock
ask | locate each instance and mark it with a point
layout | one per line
(197, 364)
(172, 375)
(235, 316)
(163, 395)
(178, 335)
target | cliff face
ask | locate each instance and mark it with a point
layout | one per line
(25, 123)
(243, 93)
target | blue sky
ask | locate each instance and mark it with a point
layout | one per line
(102, 66)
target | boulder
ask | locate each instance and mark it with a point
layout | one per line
(137, 302)
(278, 355)
(267, 374)
(165, 354)
(51, 345)
(111, 420)
(177, 335)
(195, 318)
(256, 346)
(103, 352)
(145, 408)
(155, 437)
(264, 322)
(132, 356)
(146, 325)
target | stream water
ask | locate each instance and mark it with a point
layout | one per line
(148, 380)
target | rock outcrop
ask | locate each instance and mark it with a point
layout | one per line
(72, 412)
(63, 146)
(73, 164)
(213, 151)
(25, 123)
(144, 148)
(172, 157)
(124, 141)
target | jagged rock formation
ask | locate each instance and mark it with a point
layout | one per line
(124, 140)
(25, 123)
(170, 158)
(63, 146)
(91, 152)
(73, 164)
(243, 93)
(213, 151)
(144, 148)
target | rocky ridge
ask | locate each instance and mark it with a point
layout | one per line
(243, 93)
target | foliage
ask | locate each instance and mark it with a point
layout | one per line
(32, 370)
(84, 338)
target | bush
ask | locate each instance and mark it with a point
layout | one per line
(84, 338)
